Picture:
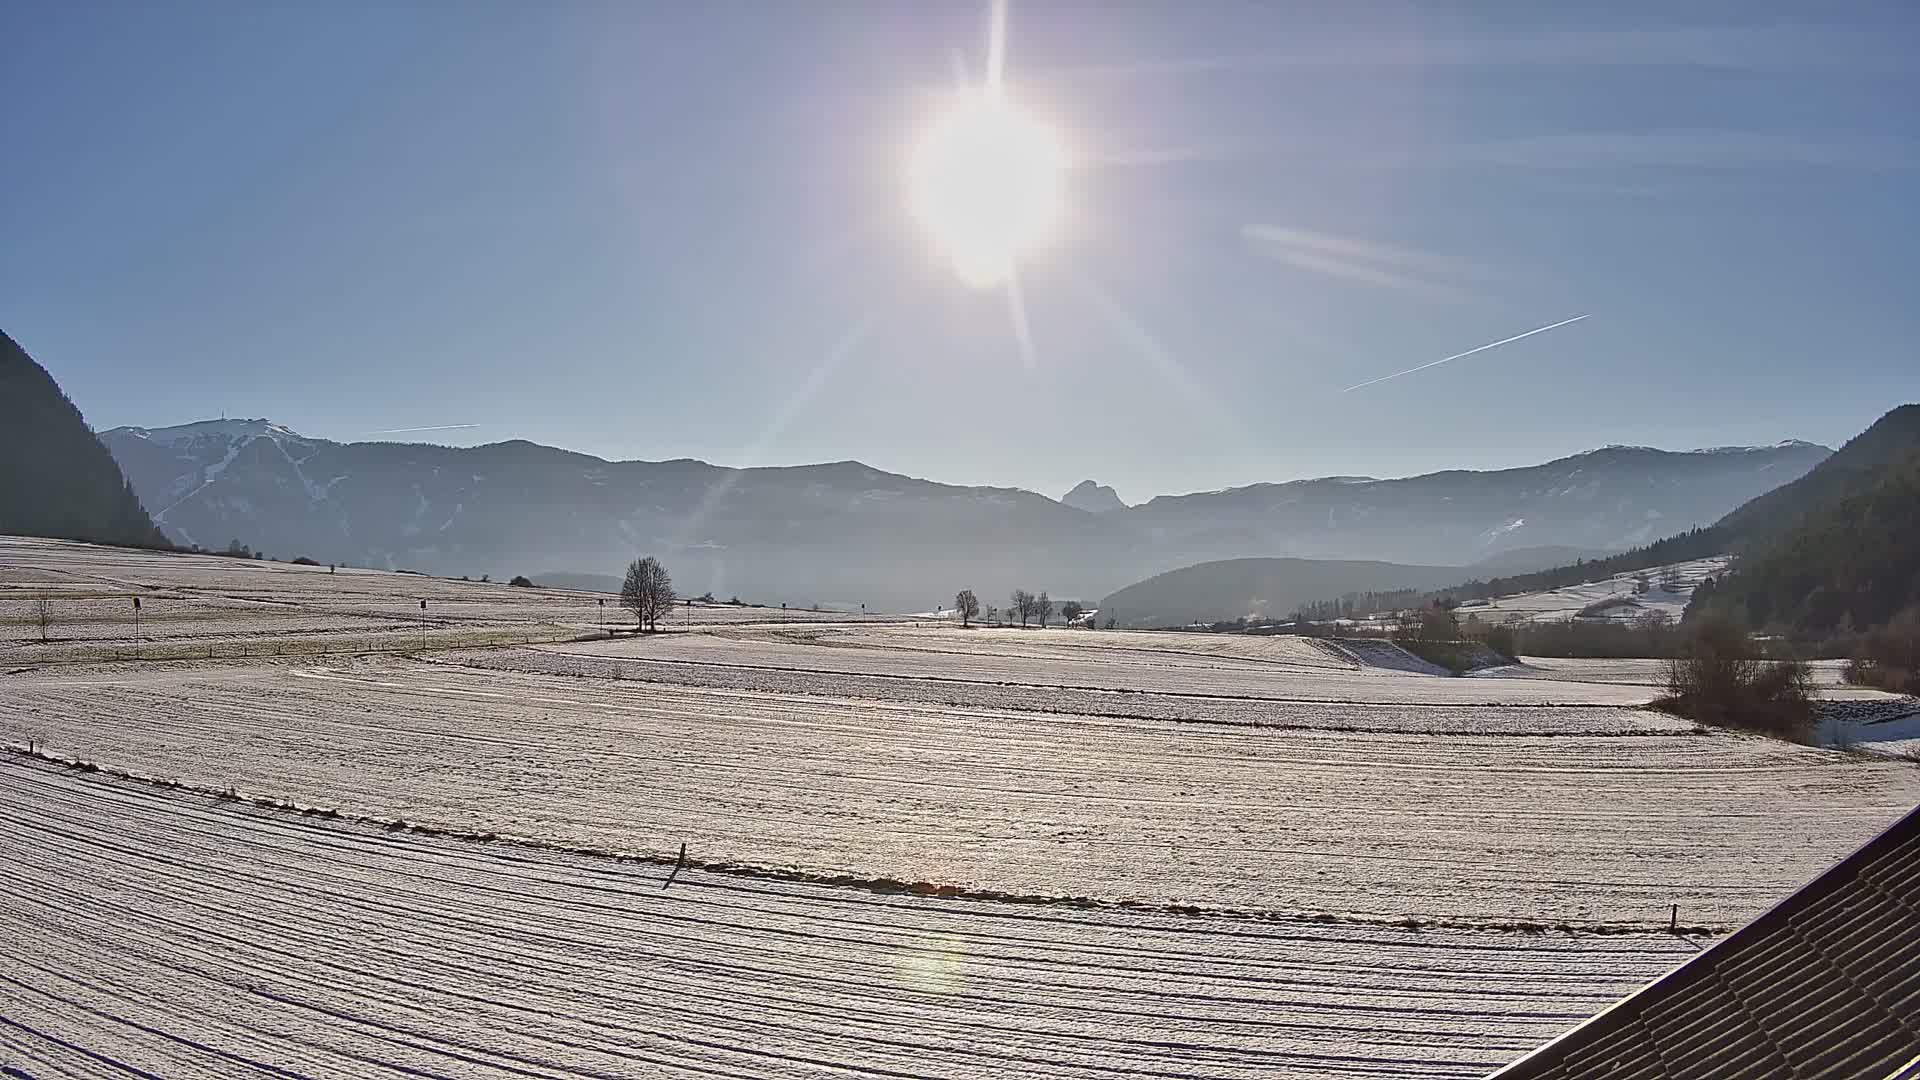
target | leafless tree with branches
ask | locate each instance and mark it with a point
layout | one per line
(1021, 606)
(647, 591)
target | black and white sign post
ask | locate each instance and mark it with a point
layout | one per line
(423, 623)
(136, 628)
(603, 613)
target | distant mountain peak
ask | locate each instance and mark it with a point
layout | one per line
(1093, 498)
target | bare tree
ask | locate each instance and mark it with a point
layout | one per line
(647, 591)
(43, 614)
(1021, 606)
(1071, 611)
(1042, 609)
(968, 605)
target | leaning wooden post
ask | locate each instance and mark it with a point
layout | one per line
(676, 866)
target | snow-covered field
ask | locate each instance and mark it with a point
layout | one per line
(1547, 814)
(1156, 854)
(184, 937)
(1669, 589)
(189, 600)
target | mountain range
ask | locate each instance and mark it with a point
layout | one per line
(845, 533)
(1828, 553)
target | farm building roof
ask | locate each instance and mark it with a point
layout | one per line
(1826, 983)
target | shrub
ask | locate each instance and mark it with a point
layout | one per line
(521, 581)
(1650, 637)
(1889, 656)
(1457, 657)
(1496, 636)
(1720, 678)
(302, 560)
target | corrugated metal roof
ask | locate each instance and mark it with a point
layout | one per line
(1826, 984)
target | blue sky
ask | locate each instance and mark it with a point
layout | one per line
(653, 231)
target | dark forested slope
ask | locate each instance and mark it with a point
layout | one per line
(55, 477)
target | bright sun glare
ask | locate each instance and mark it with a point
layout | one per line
(987, 181)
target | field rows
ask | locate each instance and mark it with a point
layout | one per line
(1107, 646)
(185, 937)
(1156, 663)
(1404, 717)
(1606, 829)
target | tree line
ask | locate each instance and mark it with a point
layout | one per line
(1022, 605)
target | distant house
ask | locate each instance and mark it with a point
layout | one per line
(1826, 984)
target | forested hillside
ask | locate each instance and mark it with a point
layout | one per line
(1848, 566)
(55, 477)
(1832, 551)
(1854, 469)
(1692, 544)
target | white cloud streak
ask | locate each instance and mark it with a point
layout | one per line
(1365, 262)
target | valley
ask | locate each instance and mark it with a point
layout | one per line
(900, 837)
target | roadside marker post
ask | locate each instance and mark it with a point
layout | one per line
(423, 622)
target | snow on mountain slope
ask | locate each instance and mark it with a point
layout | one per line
(230, 430)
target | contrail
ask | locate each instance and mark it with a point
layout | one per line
(996, 45)
(436, 427)
(1469, 352)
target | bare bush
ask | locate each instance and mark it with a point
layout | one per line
(1720, 678)
(1889, 656)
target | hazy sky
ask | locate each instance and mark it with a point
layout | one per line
(654, 231)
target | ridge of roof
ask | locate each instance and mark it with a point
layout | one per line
(1624, 1034)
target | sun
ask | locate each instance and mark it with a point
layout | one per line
(987, 180)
